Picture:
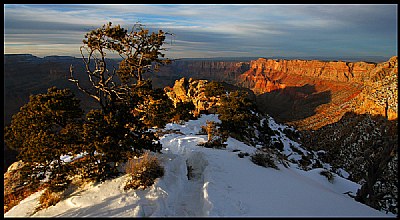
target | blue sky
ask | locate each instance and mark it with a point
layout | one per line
(221, 30)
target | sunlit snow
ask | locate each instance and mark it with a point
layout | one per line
(222, 184)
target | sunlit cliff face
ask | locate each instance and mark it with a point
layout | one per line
(312, 93)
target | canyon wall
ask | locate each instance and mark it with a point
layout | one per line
(212, 70)
(313, 93)
(266, 75)
(305, 93)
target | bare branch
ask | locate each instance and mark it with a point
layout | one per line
(76, 82)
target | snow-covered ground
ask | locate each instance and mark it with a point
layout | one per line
(222, 184)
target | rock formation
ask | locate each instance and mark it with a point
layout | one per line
(312, 93)
(266, 75)
(191, 90)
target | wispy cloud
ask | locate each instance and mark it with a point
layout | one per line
(207, 30)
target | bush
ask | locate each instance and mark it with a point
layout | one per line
(47, 199)
(241, 154)
(183, 112)
(291, 134)
(215, 137)
(278, 145)
(216, 142)
(154, 108)
(43, 130)
(264, 160)
(236, 114)
(13, 195)
(214, 89)
(328, 175)
(143, 171)
(10, 200)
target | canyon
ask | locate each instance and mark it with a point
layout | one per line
(311, 93)
(307, 94)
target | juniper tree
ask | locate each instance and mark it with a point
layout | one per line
(43, 130)
(214, 89)
(128, 103)
(138, 49)
(154, 108)
(183, 111)
(236, 112)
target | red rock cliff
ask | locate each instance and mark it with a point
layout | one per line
(312, 93)
(266, 75)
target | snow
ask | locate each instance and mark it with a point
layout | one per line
(222, 184)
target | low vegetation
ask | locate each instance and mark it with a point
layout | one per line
(47, 199)
(53, 125)
(263, 159)
(215, 137)
(143, 172)
(328, 175)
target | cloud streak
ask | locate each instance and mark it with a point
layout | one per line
(212, 30)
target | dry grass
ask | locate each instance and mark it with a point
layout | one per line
(10, 200)
(143, 171)
(16, 196)
(48, 199)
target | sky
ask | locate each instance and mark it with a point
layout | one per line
(211, 30)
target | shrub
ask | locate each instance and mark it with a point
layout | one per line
(43, 130)
(216, 142)
(215, 137)
(189, 172)
(211, 129)
(278, 145)
(241, 154)
(16, 195)
(305, 162)
(183, 111)
(10, 200)
(153, 106)
(235, 112)
(328, 175)
(143, 171)
(264, 160)
(47, 199)
(214, 89)
(291, 134)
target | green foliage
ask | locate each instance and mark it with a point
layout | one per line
(214, 89)
(263, 159)
(183, 111)
(111, 138)
(129, 106)
(236, 113)
(154, 107)
(42, 131)
(138, 48)
(366, 146)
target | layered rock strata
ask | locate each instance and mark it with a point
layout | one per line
(312, 93)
